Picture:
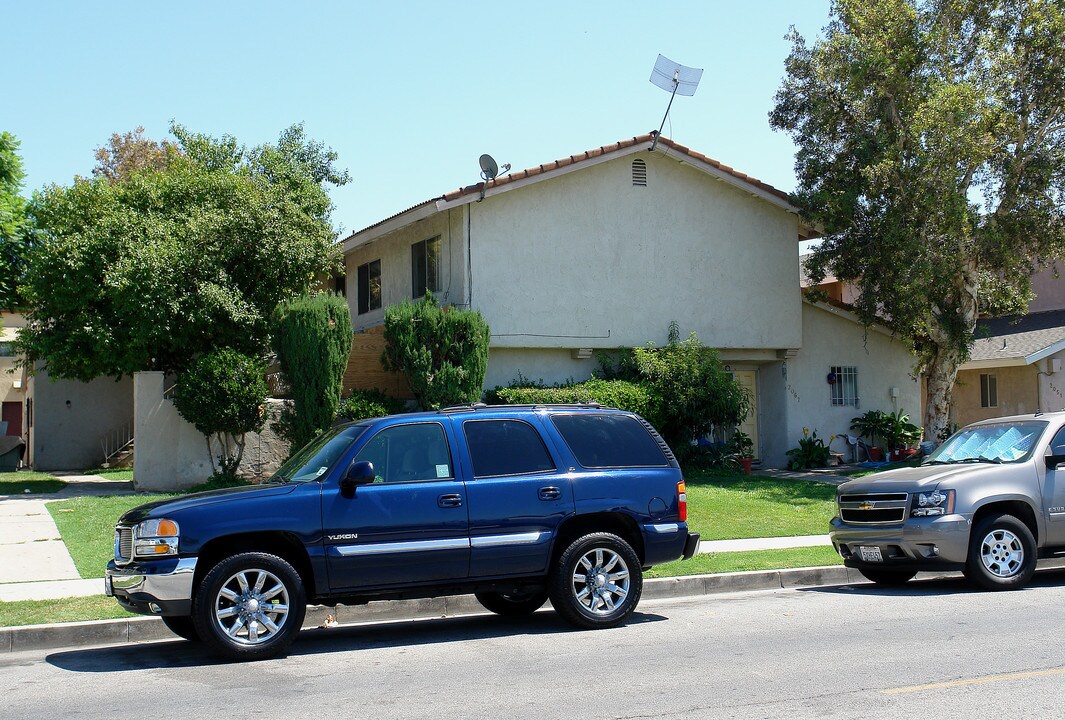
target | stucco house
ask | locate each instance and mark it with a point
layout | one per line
(12, 378)
(602, 250)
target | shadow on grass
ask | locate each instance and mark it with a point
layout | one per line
(401, 634)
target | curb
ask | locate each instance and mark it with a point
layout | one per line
(146, 629)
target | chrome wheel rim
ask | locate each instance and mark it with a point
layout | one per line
(600, 581)
(252, 606)
(1002, 553)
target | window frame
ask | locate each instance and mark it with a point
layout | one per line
(988, 390)
(447, 443)
(543, 442)
(364, 277)
(838, 395)
(421, 251)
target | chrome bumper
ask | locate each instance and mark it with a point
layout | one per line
(137, 581)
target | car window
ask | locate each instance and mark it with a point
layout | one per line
(1057, 445)
(998, 442)
(408, 453)
(609, 441)
(506, 447)
(314, 459)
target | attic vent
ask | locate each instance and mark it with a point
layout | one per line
(639, 173)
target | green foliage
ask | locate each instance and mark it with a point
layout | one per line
(871, 425)
(620, 394)
(363, 404)
(165, 261)
(222, 394)
(312, 339)
(741, 444)
(15, 227)
(691, 393)
(894, 428)
(931, 149)
(811, 452)
(442, 351)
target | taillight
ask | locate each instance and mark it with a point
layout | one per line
(682, 501)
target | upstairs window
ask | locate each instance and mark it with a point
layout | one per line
(425, 266)
(844, 383)
(369, 286)
(988, 390)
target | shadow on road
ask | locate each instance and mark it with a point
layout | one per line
(938, 585)
(407, 633)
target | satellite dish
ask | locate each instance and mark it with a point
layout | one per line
(489, 168)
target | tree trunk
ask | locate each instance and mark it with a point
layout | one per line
(940, 373)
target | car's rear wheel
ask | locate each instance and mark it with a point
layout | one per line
(182, 626)
(250, 606)
(597, 581)
(512, 604)
(888, 577)
(1001, 554)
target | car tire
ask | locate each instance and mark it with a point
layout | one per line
(250, 606)
(888, 577)
(1002, 554)
(596, 582)
(513, 604)
(182, 626)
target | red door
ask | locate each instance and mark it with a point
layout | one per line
(12, 414)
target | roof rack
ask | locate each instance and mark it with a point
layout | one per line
(468, 407)
(472, 407)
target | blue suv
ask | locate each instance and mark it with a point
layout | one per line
(516, 504)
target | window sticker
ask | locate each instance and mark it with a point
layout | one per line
(320, 471)
(442, 471)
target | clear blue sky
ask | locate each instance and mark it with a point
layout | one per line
(408, 93)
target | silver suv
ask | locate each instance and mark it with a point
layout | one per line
(987, 502)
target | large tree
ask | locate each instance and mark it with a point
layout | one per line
(931, 150)
(15, 227)
(162, 257)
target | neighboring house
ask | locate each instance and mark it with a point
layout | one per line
(602, 250)
(12, 378)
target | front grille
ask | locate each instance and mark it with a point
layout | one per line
(873, 508)
(123, 544)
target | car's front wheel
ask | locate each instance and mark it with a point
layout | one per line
(513, 604)
(1001, 554)
(597, 581)
(250, 606)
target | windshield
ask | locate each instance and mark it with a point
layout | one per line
(317, 456)
(1004, 442)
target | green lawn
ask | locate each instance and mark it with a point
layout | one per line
(707, 563)
(113, 473)
(857, 472)
(77, 609)
(726, 506)
(17, 483)
(87, 525)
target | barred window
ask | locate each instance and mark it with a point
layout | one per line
(844, 383)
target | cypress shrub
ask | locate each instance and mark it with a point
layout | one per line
(442, 351)
(312, 339)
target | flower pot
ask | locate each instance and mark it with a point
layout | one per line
(745, 464)
(876, 454)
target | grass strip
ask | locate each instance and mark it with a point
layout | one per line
(17, 483)
(75, 609)
(125, 474)
(709, 563)
(87, 525)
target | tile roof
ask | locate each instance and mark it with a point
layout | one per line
(1012, 338)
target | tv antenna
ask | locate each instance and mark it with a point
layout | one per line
(489, 170)
(675, 79)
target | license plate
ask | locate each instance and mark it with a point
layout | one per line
(870, 554)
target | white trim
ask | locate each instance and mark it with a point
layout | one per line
(396, 222)
(402, 547)
(527, 538)
(992, 363)
(1045, 352)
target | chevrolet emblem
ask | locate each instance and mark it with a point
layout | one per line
(867, 505)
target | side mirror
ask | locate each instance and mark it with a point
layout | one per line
(360, 473)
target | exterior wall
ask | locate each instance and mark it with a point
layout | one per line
(1018, 393)
(364, 370)
(550, 365)
(171, 454)
(12, 383)
(831, 338)
(70, 418)
(1049, 291)
(394, 252)
(1052, 383)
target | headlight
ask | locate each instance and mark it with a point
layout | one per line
(155, 538)
(937, 502)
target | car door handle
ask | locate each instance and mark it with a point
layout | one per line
(449, 501)
(550, 493)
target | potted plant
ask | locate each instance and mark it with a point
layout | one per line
(900, 433)
(742, 448)
(871, 425)
(811, 452)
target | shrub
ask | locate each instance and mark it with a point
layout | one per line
(620, 394)
(811, 453)
(691, 392)
(222, 394)
(362, 404)
(442, 351)
(312, 339)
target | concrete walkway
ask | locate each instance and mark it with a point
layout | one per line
(34, 562)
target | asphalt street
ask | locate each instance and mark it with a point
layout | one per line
(931, 649)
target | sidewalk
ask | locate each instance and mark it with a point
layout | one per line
(34, 562)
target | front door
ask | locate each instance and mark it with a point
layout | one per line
(11, 413)
(410, 525)
(748, 380)
(1054, 494)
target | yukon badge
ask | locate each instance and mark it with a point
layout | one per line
(344, 536)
